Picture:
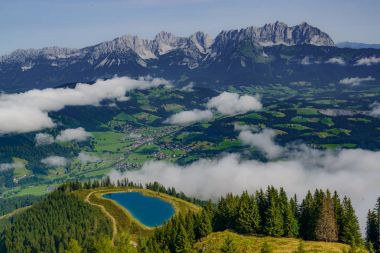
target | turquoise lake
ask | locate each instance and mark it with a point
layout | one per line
(149, 211)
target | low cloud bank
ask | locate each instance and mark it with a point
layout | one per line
(186, 117)
(44, 139)
(86, 158)
(356, 80)
(229, 103)
(75, 134)
(368, 61)
(188, 88)
(28, 111)
(71, 134)
(375, 112)
(336, 60)
(55, 161)
(10, 166)
(263, 141)
(354, 173)
(226, 103)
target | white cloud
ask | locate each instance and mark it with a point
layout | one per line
(28, 111)
(188, 88)
(86, 158)
(55, 161)
(186, 117)
(10, 166)
(263, 141)
(44, 139)
(74, 134)
(356, 80)
(336, 60)
(306, 61)
(354, 173)
(232, 103)
(368, 61)
(375, 112)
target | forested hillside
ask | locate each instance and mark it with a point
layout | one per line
(64, 223)
(50, 225)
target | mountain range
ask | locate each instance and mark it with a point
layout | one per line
(357, 45)
(274, 52)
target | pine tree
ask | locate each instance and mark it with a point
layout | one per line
(288, 214)
(327, 228)
(73, 247)
(203, 225)
(350, 233)
(370, 248)
(273, 216)
(228, 246)
(248, 219)
(372, 232)
(123, 244)
(181, 241)
(373, 227)
(225, 214)
(307, 218)
(104, 245)
(338, 209)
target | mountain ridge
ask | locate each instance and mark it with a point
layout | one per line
(267, 35)
(272, 53)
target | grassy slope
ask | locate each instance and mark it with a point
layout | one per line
(244, 244)
(125, 221)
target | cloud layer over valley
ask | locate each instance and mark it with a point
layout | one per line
(28, 111)
(226, 103)
(354, 173)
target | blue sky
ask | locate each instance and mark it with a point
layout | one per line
(78, 23)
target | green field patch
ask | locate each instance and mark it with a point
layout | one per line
(147, 149)
(110, 141)
(363, 120)
(173, 107)
(215, 242)
(37, 190)
(298, 127)
(124, 117)
(301, 119)
(20, 170)
(251, 116)
(205, 125)
(138, 158)
(307, 111)
(327, 121)
(333, 132)
(187, 135)
(146, 117)
(335, 146)
(328, 101)
(228, 144)
(276, 114)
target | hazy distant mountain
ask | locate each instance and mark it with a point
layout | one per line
(272, 53)
(356, 45)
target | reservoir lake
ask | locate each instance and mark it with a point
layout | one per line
(150, 211)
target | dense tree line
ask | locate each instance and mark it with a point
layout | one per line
(50, 225)
(10, 204)
(373, 228)
(319, 216)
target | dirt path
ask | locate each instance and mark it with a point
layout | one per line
(6, 216)
(114, 224)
